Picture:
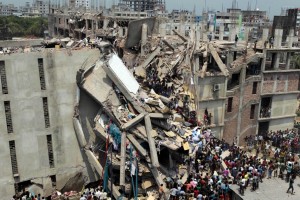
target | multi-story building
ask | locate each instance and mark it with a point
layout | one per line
(7, 10)
(144, 5)
(248, 94)
(37, 140)
(42, 6)
(83, 3)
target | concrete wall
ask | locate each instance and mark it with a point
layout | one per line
(205, 90)
(284, 105)
(213, 101)
(281, 124)
(25, 96)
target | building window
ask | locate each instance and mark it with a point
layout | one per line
(50, 151)
(252, 111)
(3, 77)
(13, 158)
(46, 112)
(229, 104)
(42, 73)
(8, 117)
(254, 88)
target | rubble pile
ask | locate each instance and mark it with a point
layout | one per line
(148, 117)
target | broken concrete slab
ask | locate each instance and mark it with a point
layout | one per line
(218, 60)
(134, 35)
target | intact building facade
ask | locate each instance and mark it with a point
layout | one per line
(37, 140)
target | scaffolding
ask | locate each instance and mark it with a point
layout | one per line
(144, 5)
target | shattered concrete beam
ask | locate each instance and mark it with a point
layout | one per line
(151, 142)
(164, 99)
(122, 88)
(179, 35)
(168, 44)
(95, 163)
(79, 133)
(133, 122)
(123, 159)
(218, 60)
(159, 115)
(156, 176)
(137, 145)
(150, 58)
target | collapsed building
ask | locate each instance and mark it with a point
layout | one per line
(104, 107)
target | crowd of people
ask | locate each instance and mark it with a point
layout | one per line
(211, 176)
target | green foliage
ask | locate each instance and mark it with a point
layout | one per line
(22, 26)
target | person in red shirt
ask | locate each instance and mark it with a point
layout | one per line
(196, 192)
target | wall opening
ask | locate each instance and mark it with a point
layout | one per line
(13, 158)
(252, 111)
(7, 110)
(229, 104)
(46, 112)
(3, 77)
(265, 110)
(254, 88)
(263, 128)
(234, 81)
(42, 73)
(50, 151)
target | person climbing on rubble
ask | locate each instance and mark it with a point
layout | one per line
(236, 39)
(209, 37)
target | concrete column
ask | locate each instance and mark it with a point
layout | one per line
(221, 32)
(123, 159)
(232, 33)
(246, 35)
(105, 24)
(115, 28)
(241, 99)
(198, 36)
(97, 24)
(229, 58)
(265, 36)
(144, 38)
(278, 38)
(277, 59)
(120, 31)
(193, 32)
(87, 24)
(126, 31)
(202, 31)
(182, 28)
(151, 142)
(162, 30)
(211, 28)
(288, 60)
(291, 38)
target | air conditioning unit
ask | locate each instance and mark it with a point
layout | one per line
(216, 87)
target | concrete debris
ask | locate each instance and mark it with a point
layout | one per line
(147, 99)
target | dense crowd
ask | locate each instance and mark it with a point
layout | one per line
(210, 180)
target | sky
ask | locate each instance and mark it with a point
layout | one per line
(273, 7)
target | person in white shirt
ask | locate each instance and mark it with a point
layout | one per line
(199, 197)
(82, 197)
